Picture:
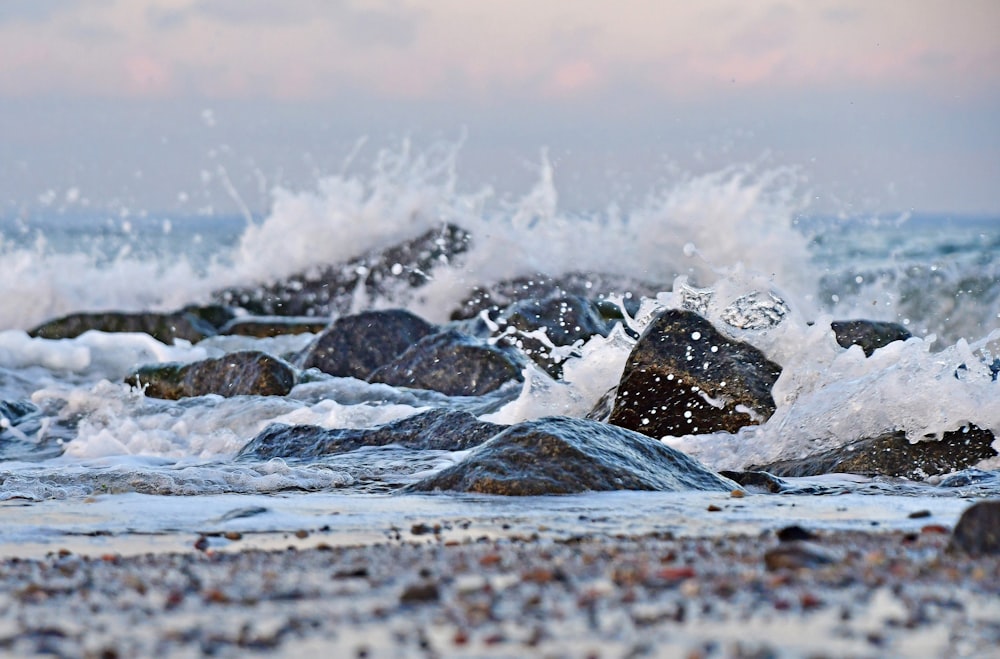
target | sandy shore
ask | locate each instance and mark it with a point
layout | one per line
(838, 594)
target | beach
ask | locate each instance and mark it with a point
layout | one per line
(832, 594)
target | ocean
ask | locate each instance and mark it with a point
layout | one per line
(87, 460)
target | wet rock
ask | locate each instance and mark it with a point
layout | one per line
(560, 455)
(355, 346)
(389, 274)
(263, 327)
(794, 533)
(598, 287)
(684, 377)
(892, 454)
(539, 328)
(757, 480)
(191, 323)
(439, 430)
(246, 373)
(869, 334)
(978, 530)
(454, 364)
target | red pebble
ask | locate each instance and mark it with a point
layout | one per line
(676, 573)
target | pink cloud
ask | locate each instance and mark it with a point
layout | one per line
(148, 76)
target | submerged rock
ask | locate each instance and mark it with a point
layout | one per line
(263, 327)
(869, 334)
(355, 346)
(388, 274)
(245, 373)
(192, 323)
(978, 530)
(684, 377)
(439, 430)
(560, 455)
(454, 364)
(892, 454)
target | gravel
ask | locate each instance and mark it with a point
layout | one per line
(832, 594)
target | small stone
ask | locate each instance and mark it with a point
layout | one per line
(737, 494)
(233, 535)
(302, 534)
(919, 514)
(978, 530)
(420, 592)
(712, 508)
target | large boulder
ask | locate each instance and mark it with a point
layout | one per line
(245, 373)
(192, 323)
(684, 377)
(978, 530)
(454, 364)
(439, 430)
(387, 274)
(561, 455)
(892, 454)
(355, 346)
(869, 334)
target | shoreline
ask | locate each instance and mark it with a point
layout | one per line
(840, 593)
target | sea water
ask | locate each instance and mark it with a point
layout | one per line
(95, 459)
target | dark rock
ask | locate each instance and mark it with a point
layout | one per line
(190, 323)
(439, 430)
(563, 319)
(593, 286)
(758, 480)
(794, 533)
(390, 274)
(454, 364)
(892, 454)
(263, 327)
(560, 455)
(684, 377)
(247, 373)
(355, 346)
(426, 591)
(869, 334)
(978, 530)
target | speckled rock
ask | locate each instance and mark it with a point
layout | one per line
(454, 364)
(560, 455)
(245, 373)
(684, 377)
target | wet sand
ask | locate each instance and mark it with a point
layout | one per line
(840, 593)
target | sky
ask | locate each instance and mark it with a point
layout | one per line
(190, 106)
